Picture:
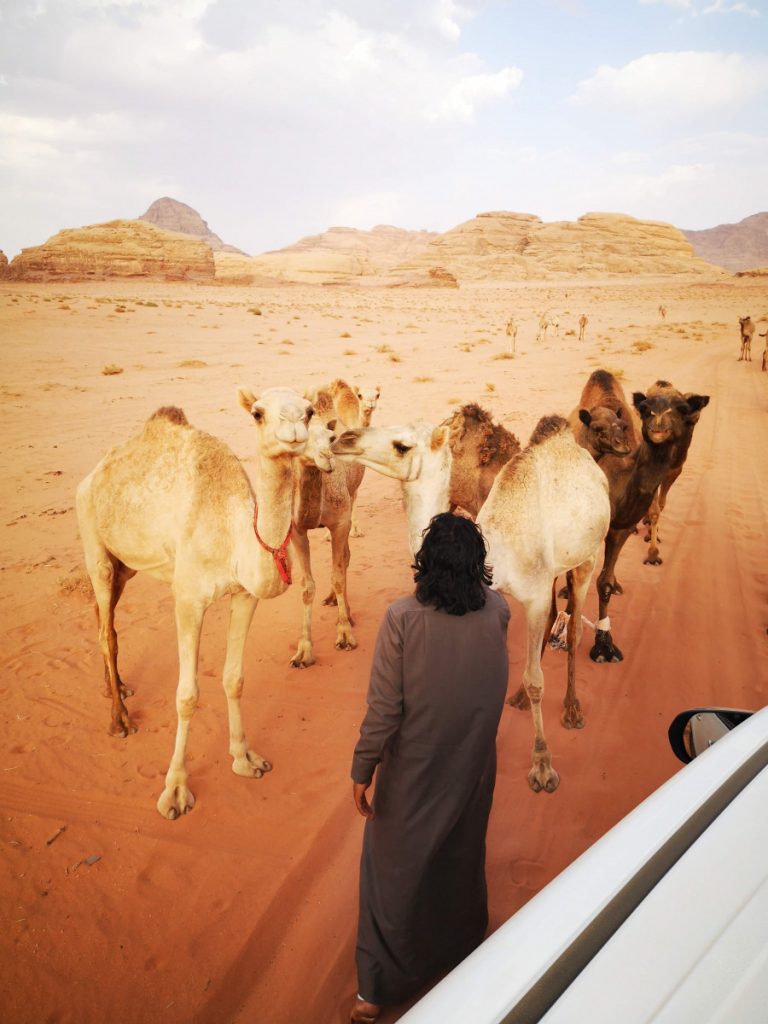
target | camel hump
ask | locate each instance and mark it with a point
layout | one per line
(172, 413)
(602, 379)
(322, 402)
(547, 427)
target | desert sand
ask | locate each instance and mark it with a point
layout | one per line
(244, 910)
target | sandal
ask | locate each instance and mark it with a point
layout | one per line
(364, 1012)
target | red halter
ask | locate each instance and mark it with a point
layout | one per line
(280, 555)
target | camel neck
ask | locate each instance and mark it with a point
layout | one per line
(273, 491)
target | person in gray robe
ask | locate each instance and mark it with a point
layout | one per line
(436, 692)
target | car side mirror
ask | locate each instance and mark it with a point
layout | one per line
(692, 732)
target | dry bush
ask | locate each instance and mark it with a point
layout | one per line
(383, 348)
(641, 346)
(423, 380)
(76, 583)
(394, 358)
(111, 370)
(193, 364)
(504, 355)
(345, 334)
(255, 310)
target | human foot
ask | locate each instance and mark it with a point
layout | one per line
(364, 1012)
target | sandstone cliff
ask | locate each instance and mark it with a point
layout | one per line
(742, 246)
(340, 254)
(3, 265)
(171, 215)
(119, 249)
(515, 246)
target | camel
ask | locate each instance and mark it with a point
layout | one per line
(677, 461)
(583, 321)
(176, 503)
(663, 312)
(323, 498)
(512, 332)
(633, 480)
(602, 422)
(541, 331)
(747, 329)
(547, 513)
(479, 448)
(764, 363)
(354, 407)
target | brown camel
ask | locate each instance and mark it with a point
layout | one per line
(479, 448)
(324, 498)
(633, 481)
(546, 514)
(602, 422)
(747, 329)
(512, 332)
(582, 326)
(177, 504)
(764, 364)
(677, 460)
(354, 407)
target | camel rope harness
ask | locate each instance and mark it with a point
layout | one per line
(279, 555)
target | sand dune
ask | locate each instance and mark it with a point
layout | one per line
(245, 909)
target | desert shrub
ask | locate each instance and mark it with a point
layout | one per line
(110, 370)
(255, 310)
(193, 364)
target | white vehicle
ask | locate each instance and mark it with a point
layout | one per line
(664, 919)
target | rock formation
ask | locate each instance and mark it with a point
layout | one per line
(341, 254)
(518, 246)
(117, 249)
(3, 265)
(171, 215)
(742, 246)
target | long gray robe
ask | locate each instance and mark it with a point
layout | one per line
(435, 697)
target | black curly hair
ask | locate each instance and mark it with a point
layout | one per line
(450, 565)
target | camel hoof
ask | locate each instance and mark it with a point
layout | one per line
(331, 600)
(604, 649)
(122, 727)
(346, 645)
(653, 560)
(520, 700)
(616, 587)
(250, 765)
(175, 802)
(302, 662)
(540, 781)
(572, 718)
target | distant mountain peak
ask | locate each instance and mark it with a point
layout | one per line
(742, 246)
(172, 215)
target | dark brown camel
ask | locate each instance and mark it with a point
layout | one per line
(479, 449)
(633, 481)
(603, 422)
(677, 461)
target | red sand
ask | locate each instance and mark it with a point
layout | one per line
(245, 909)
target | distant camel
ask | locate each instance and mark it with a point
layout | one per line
(602, 422)
(479, 449)
(663, 312)
(764, 365)
(512, 332)
(555, 323)
(176, 503)
(676, 463)
(747, 329)
(323, 496)
(582, 326)
(541, 331)
(633, 481)
(546, 514)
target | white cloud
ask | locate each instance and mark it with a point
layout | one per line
(721, 7)
(466, 95)
(674, 84)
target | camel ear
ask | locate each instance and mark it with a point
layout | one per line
(619, 413)
(697, 402)
(331, 424)
(246, 398)
(439, 438)
(585, 416)
(378, 392)
(637, 398)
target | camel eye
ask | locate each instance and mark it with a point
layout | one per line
(400, 448)
(257, 414)
(310, 413)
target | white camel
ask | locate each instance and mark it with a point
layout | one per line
(176, 503)
(547, 513)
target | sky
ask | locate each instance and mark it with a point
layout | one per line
(276, 119)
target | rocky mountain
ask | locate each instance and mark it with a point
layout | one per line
(3, 265)
(520, 246)
(171, 215)
(340, 254)
(117, 249)
(742, 246)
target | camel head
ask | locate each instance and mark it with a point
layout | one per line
(282, 419)
(609, 431)
(368, 399)
(392, 451)
(318, 451)
(663, 416)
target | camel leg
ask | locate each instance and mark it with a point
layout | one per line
(303, 657)
(654, 511)
(542, 775)
(578, 580)
(604, 648)
(345, 640)
(176, 799)
(354, 530)
(108, 578)
(244, 761)
(520, 699)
